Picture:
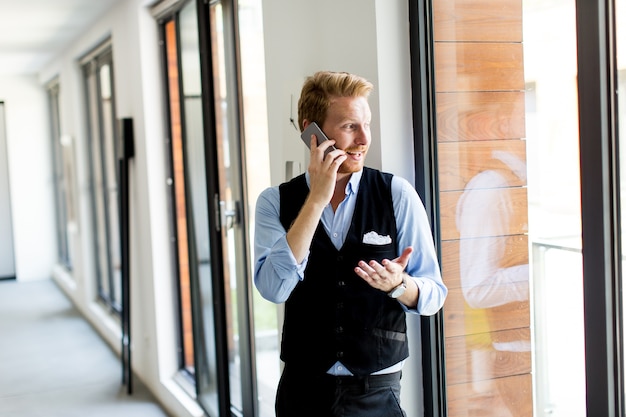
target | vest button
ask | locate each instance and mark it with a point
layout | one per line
(339, 329)
(341, 283)
(340, 258)
(339, 305)
(340, 354)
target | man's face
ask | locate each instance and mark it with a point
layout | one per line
(348, 123)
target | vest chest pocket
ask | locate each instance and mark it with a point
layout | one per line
(368, 252)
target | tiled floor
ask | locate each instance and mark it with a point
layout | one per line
(53, 364)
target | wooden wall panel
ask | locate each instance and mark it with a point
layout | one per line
(510, 396)
(478, 20)
(485, 356)
(459, 162)
(462, 320)
(479, 67)
(517, 205)
(515, 253)
(480, 115)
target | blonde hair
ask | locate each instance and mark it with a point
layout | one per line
(320, 88)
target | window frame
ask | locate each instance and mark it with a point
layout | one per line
(599, 162)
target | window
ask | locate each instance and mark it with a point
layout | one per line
(216, 106)
(98, 78)
(62, 165)
(505, 111)
(187, 175)
(525, 131)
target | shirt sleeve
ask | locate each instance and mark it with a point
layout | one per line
(414, 230)
(276, 271)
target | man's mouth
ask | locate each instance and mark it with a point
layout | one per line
(355, 152)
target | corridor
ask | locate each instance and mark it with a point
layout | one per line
(53, 364)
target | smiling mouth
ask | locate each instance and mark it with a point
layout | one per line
(355, 152)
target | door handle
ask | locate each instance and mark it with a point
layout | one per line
(228, 213)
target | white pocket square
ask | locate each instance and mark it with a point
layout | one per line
(373, 238)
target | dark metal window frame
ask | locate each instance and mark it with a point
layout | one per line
(426, 183)
(100, 56)
(171, 14)
(601, 228)
(169, 11)
(60, 182)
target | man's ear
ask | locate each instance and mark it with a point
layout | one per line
(305, 123)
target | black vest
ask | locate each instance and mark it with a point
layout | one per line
(333, 314)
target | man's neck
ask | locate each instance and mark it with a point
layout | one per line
(340, 190)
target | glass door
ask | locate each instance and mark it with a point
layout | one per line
(199, 325)
(211, 102)
(229, 206)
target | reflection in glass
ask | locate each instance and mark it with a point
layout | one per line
(179, 197)
(188, 171)
(104, 176)
(61, 161)
(109, 155)
(225, 105)
(507, 125)
(194, 190)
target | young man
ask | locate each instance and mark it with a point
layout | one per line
(349, 251)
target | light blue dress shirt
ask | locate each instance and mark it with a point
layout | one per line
(276, 271)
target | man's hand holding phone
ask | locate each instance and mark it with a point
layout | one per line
(314, 129)
(322, 172)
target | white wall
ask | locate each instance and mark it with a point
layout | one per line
(369, 38)
(30, 176)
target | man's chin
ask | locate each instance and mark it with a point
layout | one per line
(349, 168)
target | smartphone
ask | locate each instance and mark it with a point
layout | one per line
(314, 129)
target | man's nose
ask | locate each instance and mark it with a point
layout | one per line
(362, 135)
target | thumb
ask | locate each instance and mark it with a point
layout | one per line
(404, 258)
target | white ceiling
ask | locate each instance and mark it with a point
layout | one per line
(32, 32)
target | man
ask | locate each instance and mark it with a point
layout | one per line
(349, 251)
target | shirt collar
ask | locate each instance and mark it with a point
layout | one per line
(353, 185)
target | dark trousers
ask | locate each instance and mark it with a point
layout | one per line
(301, 394)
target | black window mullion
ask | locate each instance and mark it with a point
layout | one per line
(426, 183)
(600, 206)
(213, 190)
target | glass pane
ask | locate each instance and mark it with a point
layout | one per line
(179, 197)
(98, 187)
(195, 170)
(507, 126)
(257, 148)
(60, 181)
(109, 157)
(229, 177)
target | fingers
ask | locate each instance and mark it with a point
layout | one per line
(382, 277)
(326, 148)
(403, 259)
(385, 275)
